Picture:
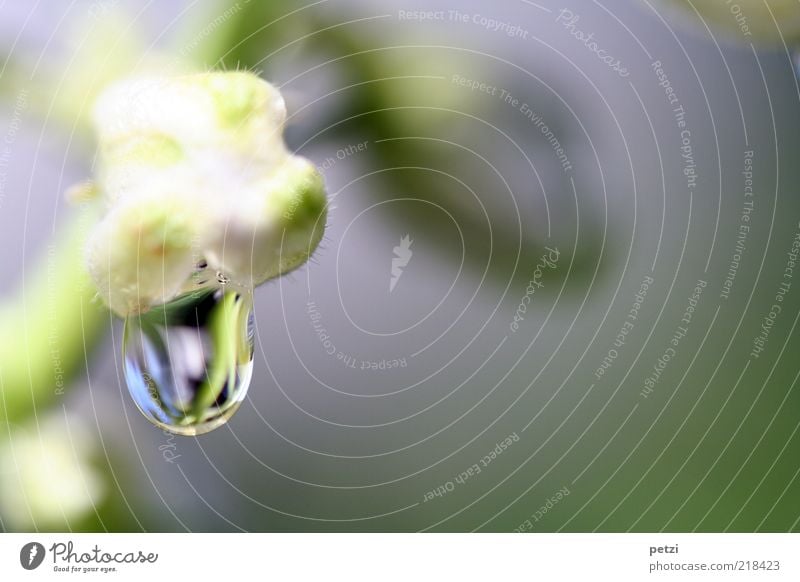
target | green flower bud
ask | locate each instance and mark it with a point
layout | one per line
(144, 249)
(195, 172)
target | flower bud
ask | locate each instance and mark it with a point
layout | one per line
(194, 171)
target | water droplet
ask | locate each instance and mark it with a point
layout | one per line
(188, 363)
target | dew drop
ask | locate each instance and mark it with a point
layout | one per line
(188, 363)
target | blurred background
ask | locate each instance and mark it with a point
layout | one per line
(594, 324)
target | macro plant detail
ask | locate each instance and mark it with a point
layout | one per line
(202, 203)
(167, 169)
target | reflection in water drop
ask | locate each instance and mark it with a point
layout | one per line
(188, 363)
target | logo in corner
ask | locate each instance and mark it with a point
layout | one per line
(402, 255)
(31, 555)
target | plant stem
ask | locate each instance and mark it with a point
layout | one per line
(47, 329)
